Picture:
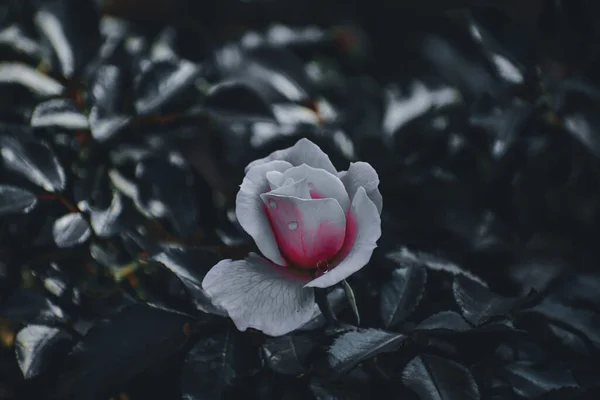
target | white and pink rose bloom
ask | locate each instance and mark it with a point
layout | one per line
(314, 227)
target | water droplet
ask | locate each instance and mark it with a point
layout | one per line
(272, 204)
(293, 225)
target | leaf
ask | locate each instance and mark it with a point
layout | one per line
(436, 378)
(239, 98)
(190, 265)
(210, 367)
(478, 304)
(563, 393)
(34, 160)
(120, 348)
(287, 354)
(401, 294)
(61, 113)
(107, 113)
(15, 200)
(576, 318)
(23, 74)
(71, 28)
(444, 321)
(71, 230)
(105, 223)
(161, 82)
(336, 299)
(351, 348)
(407, 257)
(38, 346)
(530, 380)
(30, 307)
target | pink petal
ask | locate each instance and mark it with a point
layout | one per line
(259, 294)
(309, 232)
(359, 247)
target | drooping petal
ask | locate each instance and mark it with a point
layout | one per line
(249, 209)
(308, 232)
(368, 231)
(258, 294)
(322, 184)
(362, 174)
(303, 152)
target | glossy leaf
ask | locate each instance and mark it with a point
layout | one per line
(107, 114)
(210, 366)
(35, 81)
(163, 81)
(61, 113)
(37, 346)
(105, 223)
(14, 200)
(34, 160)
(287, 354)
(71, 230)
(444, 321)
(402, 294)
(533, 380)
(190, 266)
(436, 378)
(30, 307)
(478, 304)
(117, 350)
(355, 346)
(407, 257)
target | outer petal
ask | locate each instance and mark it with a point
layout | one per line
(322, 184)
(362, 174)
(249, 209)
(368, 226)
(308, 232)
(303, 152)
(258, 294)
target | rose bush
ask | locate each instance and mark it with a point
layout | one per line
(314, 225)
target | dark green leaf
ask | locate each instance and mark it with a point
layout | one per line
(530, 380)
(436, 378)
(190, 266)
(14, 200)
(116, 350)
(210, 366)
(38, 346)
(353, 347)
(71, 230)
(287, 354)
(444, 321)
(30, 307)
(34, 160)
(402, 294)
(478, 304)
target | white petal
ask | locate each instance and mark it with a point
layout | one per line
(368, 225)
(322, 184)
(290, 188)
(308, 232)
(260, 295)
(362, 174)
(250, 212)
(303, 152)
(275, 179)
